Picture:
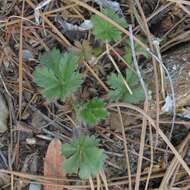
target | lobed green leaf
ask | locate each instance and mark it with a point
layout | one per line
(86, 158)
(58, 76)
(120, 92)
(103, 30)
(93, 111)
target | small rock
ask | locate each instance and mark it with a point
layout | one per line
(4, 114)
(35, 187)
(27, 55)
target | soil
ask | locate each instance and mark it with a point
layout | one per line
(32, 122)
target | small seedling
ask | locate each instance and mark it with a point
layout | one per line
(83, 51)
(57, 76)
(93, 111)
(119, 91)
(105, 31)
(83, 156)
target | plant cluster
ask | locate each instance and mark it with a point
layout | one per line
(58, 78)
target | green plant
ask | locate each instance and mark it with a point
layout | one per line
(93, 111)
(57, 76)
(83, 51)
(105, 31)
(83, 156)
(120, 92)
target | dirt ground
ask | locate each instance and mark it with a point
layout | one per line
(147, 144)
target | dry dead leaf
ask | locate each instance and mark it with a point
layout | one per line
(53, 165)
(115, 122)
(4, 114)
